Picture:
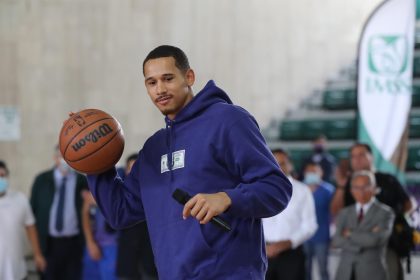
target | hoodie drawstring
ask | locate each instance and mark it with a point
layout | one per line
(169, 141)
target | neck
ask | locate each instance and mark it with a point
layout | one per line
(187, 100)
(370, 168)
(314, 187)
(365, 202)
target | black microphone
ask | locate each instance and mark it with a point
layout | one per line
(182, 197)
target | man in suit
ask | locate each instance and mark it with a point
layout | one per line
(362, 232)
(56, 201)
(391, 193)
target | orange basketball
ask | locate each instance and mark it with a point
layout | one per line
(91, 141)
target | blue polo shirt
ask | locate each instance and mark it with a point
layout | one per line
(322, 197)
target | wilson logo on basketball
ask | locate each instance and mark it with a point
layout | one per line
(93, 136)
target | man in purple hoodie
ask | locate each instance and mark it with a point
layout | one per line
(211, 149)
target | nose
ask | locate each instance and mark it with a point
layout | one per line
(161, 88)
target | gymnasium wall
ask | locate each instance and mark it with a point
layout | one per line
(58, 56)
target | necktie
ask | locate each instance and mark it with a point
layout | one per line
(60, 207)
(360, 217)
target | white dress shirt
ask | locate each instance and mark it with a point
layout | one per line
(365, 206)
(297, 222)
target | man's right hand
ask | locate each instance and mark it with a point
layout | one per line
(205, 206)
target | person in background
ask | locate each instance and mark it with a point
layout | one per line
(56, 201)
(362, 232)
(99, 260)
(135, 258)
(390, 192)
(16, 217)
(319, 244)
(286, 232)
(321, 156)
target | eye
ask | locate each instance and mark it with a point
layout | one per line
(169, 79)
(151, 83)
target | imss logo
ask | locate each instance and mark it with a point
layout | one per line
(388, 54)
(387, 65)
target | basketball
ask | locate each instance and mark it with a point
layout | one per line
(91, 141)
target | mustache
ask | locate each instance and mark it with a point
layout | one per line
(162, 97)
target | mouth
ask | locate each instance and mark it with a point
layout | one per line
(163, 100)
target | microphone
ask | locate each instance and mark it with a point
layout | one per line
(182, 197)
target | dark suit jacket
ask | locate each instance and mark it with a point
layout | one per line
(42, 196)
(363, 253)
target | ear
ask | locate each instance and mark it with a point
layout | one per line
(190, 77)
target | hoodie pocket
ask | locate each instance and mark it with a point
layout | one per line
(216, 238)
(181, 250)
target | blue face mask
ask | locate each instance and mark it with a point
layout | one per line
(4, 183)
(312, 178)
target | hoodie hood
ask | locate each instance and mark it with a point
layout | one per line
(208, 96)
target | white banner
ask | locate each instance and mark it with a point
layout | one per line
(9, 124)
(385, 75)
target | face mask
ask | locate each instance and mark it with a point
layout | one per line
(64, 167)
(4, 183)
(312, 178)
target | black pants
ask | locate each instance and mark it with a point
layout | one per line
(64, 258)
(288, 265)
(135, 255)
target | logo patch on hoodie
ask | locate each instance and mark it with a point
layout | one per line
(178, 161)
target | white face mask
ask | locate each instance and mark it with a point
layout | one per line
(4, 184)
(64, 166)
(312, 178)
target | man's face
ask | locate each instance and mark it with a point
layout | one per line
(362, 190)
(129, 166)
(3, 181)
(284, 163)
(61, 164)
(168, 88)
(57, 158)
(313, 168)
(361, 159)
(3, 173)
(313, 174)
(319, 145)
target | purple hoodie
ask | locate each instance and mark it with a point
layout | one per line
(215, 146)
